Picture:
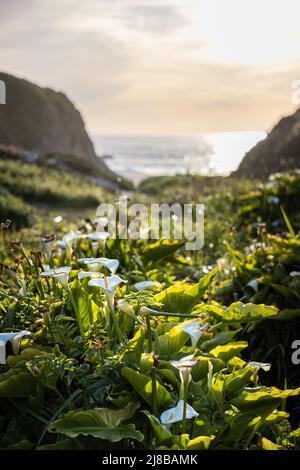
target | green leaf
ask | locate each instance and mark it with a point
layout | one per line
(183, 297)
(263, 397)
(142, 384)
(235, 382)
(288, 314)
(173, 341)
(102, 423)
(200, 443)
(200, 371)
(87, 309)
(219, 340)
(17, 385)
(228, 351)
(161, 249)
(266, 444)
(241, 313)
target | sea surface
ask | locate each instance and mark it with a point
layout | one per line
(138, 157)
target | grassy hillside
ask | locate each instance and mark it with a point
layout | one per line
(29, 189)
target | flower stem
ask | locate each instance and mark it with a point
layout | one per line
(116, 324)
(153, 372)
(75, 308)
(185, 388)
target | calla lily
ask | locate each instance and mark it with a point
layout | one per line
(59, 274)
(68, 240)
(125, 307)
(98, 236)
(195, 330)
(253, 284)
(175, 415)
(266, 366)
(295, 273)
(84, 274)
(95, 264)
(109, 285)
(14, 339)
(185, 366)
(47, 241)
(145, 285)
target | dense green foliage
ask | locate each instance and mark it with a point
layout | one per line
(173, 364)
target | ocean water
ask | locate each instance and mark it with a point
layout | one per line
(138, 157)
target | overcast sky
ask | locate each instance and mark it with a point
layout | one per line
(159, 66)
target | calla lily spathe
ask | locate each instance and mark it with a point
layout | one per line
(14, 339)
(195, 330)
(184, 366)
(97, 236)
(84, 274)
(125, 307)
(175, 415)
(59, 274)
(109, 285)
(95, 264)
(266, 366)
(144, 285)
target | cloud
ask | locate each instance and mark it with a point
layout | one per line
(151, 65)
(161, 19)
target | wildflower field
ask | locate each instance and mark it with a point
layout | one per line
(138, 344)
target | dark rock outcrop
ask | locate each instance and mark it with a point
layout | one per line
(279, 151)
(42, 120)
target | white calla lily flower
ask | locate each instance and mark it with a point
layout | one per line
(295, 273)
(125, 307)
(47, 241)
(184, 366)
(91, 274)
(253, 284)
(144, 285)
(109, 285)
(98, 236)
(59, 274)
(95, 264)
(14, 339)
(175, 415)
(70, 238)
(195, 330)
(266, 366)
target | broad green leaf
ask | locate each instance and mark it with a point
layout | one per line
(242, 313)
(17, 384)
(142, 384)
(200, 443)
(295, 435)
(266, 444)
(288, 314)
(238, 425)
(161, 432)
(184, 297)
(236, 381)
(87, 309)
(161, 249)
(263, 397)
(103, 423)
(219, 340)
(228, 351)
(200, 371)
(171, 342)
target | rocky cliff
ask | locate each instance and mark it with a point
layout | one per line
(280, 151)
(42, 120)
